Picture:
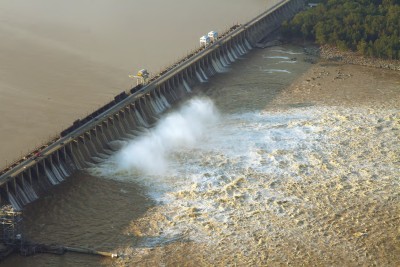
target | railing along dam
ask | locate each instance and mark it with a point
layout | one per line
(88, 140)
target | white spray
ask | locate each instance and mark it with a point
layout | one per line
(179, 129)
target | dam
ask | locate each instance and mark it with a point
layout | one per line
(87, 141)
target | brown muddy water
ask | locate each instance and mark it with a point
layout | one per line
(241, 174)
(246, 173)
(95, 208)
(60, 60)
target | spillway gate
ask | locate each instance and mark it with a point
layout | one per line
(90, 140)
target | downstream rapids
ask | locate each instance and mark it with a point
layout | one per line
(234, 176)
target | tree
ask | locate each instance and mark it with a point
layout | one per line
(370, 27)
(362, 47)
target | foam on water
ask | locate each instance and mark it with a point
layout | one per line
(260, 175)
(276, 57)
(286, 51)
(271, 71)
(267, 185)
(191, 148)
(287, 61)
(147, 157)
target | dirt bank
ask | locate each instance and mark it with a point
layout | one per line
(331, 53)
(340, 84)
(332, 200)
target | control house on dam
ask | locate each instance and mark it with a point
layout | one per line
(87, 140)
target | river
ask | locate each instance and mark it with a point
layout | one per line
(62, 60)
(241, 174)
(95, 207)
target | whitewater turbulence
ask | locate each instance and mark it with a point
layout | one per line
(180, 129)
(269, 176)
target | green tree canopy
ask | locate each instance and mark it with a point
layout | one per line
(371, 27)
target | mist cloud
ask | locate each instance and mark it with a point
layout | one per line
(180, 129)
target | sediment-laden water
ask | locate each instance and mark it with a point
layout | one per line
(305, 185)
(228, 177)
(61, 60)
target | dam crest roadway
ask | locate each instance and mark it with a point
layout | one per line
(87, 140)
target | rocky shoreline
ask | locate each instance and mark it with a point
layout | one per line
(333, 54)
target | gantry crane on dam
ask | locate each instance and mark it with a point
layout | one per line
(48, 165)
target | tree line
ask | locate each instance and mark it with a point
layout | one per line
(371, 27)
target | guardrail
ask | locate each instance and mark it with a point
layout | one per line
(80, 126)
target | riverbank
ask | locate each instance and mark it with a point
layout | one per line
(63, 76)
(341, 84)
(332, 53)
(316, 183)
(356, 204)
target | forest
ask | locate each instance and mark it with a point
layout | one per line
(370, 27)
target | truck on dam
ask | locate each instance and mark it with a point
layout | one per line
(206, 40)
(88, 138)
(21, 181)
(213, 35)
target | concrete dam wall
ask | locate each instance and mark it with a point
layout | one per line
(89, 140)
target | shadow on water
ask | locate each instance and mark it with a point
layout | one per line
(84, 211)
(254, 81)
(93, 212)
